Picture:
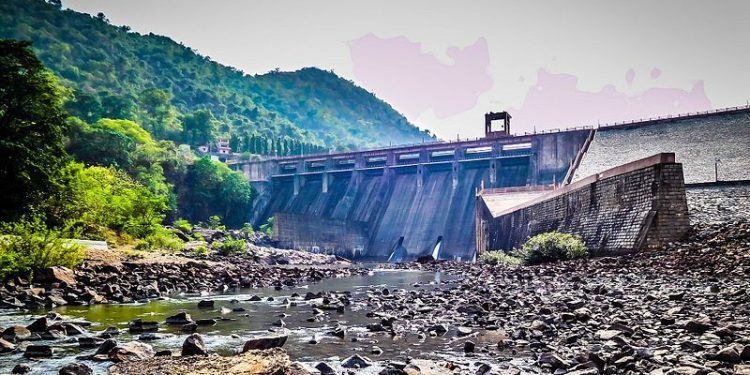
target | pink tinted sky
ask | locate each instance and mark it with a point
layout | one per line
(445, 63)
(398, 69)
(401, 72)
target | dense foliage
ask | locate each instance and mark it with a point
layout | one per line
(123, 187)
(29, 246)
(32, 130)
(552, 247)
(499, 258)
(171, 90)
(542, 248)
(210, 189)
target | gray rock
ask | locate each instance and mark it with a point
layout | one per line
(194, 345)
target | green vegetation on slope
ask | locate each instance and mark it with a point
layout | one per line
(163, 85)
(123, 187)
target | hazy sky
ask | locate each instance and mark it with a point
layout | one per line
(444, 64)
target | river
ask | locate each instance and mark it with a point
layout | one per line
(233, 328)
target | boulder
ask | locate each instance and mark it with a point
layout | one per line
(76, 369)
(264, 342)
(356, 361)
(106, 347)
(16, 333)
(469, 347)
(139, 325)
(206, 303)
(325, 369)
(191, 327)
(6, 346)
(56, 274)
(39, 325)
(21, 369)
(130, 351)
(194, 345)
(38, 351)
(90, 342)
(181, 318)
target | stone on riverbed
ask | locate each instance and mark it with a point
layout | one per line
(139, 325)
(76, 369)
(38, 351)
(181, 318)
(356, 361)
(263, 343)
(21, 369)
(6, 346)
(273, 361)
(194, 345)
(130, 351)
(57, 274)
(16, 333)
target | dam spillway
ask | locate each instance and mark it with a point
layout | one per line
(363, 204)
(419, 193)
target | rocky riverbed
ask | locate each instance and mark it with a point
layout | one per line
(681, 310)
(684, 309)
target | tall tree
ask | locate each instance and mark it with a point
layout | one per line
(199, 128)
(160, 117)
(32, 129)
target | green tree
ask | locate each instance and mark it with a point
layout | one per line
(32, 129)
(96, 145)
(211, 188)
(160, 117)
(103, 202)
(199, 128)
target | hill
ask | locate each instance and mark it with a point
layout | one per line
(117, 73)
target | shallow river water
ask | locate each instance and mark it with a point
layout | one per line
(257, 320)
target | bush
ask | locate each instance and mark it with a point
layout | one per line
(248, 229)
(267, 228)
(183, 225)
(551, 247)
(29, 246)
(214, 222)
(200, 250)
(495, 258)
(160, 239)
(230, 247)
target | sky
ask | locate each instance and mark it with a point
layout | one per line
(444, 64)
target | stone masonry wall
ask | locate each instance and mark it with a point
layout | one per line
(616, 214)
(302, 232)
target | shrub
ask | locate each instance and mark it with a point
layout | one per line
(160, 239)
(183, 225)
(200, 250)
(214, 222)
(248, 229)
(29, 246)
(551, 247)
(495, 258)
(230, 247)
(267, 228)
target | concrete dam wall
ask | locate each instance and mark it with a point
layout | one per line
(422, 195)
(632, 207)
(418, 195)
(702, 143)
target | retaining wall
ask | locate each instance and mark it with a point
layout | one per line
(629, 208)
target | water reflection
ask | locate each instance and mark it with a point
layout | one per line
(234, 327)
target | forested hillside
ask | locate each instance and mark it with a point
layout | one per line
(177, 94)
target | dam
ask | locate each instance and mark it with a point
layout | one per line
(419, 200)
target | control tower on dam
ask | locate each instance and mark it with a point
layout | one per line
(403, 201)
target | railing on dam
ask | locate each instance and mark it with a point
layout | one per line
(465, 141)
